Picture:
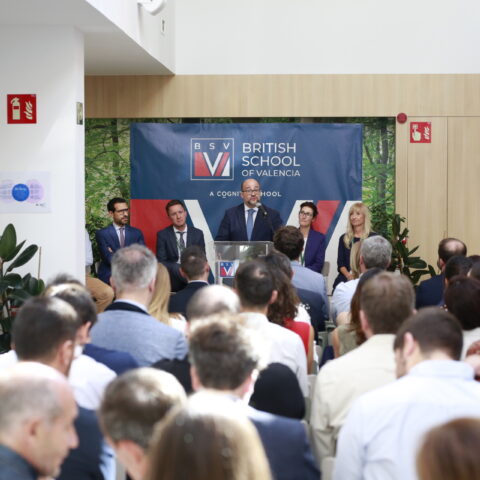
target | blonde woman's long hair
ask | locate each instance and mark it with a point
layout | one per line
(355, 259)
(367, 226)
(158, 307)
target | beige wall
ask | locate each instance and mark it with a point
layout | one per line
(435, 183)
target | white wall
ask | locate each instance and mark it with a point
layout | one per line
(47, 61)
(144, 28)
(320, 36)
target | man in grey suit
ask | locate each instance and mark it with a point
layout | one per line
(171, 242)
(126, 325)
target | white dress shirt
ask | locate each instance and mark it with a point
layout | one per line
(341, 381)
(342, 297)
(280, 345)
(383, 431)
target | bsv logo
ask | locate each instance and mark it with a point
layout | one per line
(212, 159)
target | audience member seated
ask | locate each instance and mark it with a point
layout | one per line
(132, 405)
(87, 377)
(289, 241)
(158, 307)
(450, 451)
(269, 393)
(100, 291)
(206, 301)
(126, 325)
(225, 356)
(430, 292)
(283, 312)
(375, 252)
(456, 265)
(358, 228)
(313, 254)
(37, 410)
(117, 235)
(53, 323)
(195, 268)
(383, 430)
(349, 334)
(226, 445)
(172, 240)
(255, 287)
(462, 299)
(386, 301)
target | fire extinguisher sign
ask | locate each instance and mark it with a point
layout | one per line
(22, 108)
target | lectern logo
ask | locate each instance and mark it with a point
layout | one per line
(227, 269)
(212, 158)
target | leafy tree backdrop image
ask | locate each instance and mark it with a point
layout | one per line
(107, 164)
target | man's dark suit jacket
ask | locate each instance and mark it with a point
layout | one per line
(178, 302)
(430, 292)
(234, 226)
(108, 243)
(286, 446)
(167, 252)
(315, 251)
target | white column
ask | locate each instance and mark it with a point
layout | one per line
(48, 62)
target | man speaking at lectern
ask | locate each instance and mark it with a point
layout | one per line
(250, 221)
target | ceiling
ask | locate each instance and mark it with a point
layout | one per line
(108, 49)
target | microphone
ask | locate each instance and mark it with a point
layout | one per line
(261, 208)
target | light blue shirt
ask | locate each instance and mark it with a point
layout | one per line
(385, 427)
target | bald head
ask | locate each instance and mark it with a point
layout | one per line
(212, 299)
(449, 247)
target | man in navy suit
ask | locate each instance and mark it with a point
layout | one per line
(250, 221)
(117, 235)
(171, 242)
(430, 292)
(225, 358)
(195, 268)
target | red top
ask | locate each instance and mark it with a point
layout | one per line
(300, 328)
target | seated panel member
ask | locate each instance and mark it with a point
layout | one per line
(117, 235)
(171, 242)
(248, 222)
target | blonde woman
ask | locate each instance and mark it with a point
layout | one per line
(158, 307)
(358, 228)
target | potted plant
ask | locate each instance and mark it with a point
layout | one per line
(14, 289)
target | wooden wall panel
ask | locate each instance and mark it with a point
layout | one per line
(464, 180)
(281, 95)
(426, 188)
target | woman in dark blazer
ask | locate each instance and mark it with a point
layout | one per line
(313, 255)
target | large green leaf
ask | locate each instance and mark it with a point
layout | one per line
(20, 295)
(8, 241)
(14, 252)
(23, 258)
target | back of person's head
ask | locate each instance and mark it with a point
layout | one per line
(448, 247)
(475, 270)
(42, 326)
(111, 203)
(78, 297)
(435, 330)
(133, 268)
(62, 278)
(457, 265)
(450, 451)
(285, 305)
(209, 438)
(211, 300)
(254, 284)
(223, 351)
(376, 251)
(462, 298)
(158, 307)
(387, 300)
(135, 401)
(279, 260)
(289, 240)
(193, 262)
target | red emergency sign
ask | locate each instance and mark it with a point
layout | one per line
(22, 108)
(420, 132)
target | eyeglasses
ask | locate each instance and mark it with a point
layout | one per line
(123, 210)
(306, 214)
(250, 191)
